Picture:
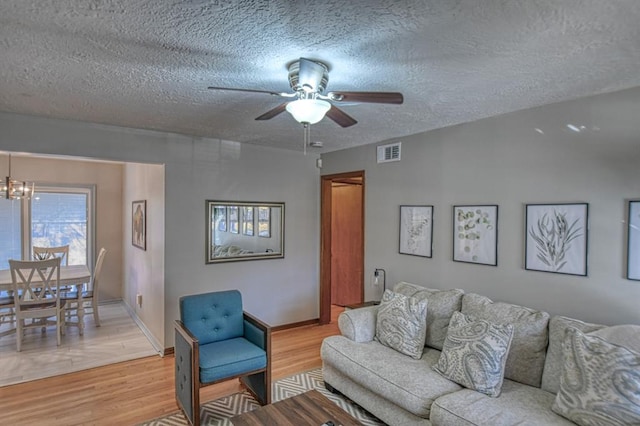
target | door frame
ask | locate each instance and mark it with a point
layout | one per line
(325, 238)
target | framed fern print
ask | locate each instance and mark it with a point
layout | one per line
(416, 230)
(556, 238)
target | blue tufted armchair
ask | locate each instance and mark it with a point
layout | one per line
(215, 340)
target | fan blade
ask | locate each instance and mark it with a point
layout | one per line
(340, 117)
(273, 112)
(367, 97)
(283, 94)
(310, 74)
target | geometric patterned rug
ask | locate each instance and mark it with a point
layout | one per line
(218, 412)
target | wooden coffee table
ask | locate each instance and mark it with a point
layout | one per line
(307, 409)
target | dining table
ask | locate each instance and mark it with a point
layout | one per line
(69, 275)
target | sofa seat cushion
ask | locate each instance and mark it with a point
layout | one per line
(517, 405)
(228, 358)
(412, 384)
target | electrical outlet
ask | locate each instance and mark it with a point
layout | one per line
(139, 300)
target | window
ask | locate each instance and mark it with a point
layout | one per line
(56, 216)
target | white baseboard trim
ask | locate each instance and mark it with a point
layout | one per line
(154, 342)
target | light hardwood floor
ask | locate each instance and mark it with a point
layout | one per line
(118, 339)
(130, 392)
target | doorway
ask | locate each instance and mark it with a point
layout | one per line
(341, 241)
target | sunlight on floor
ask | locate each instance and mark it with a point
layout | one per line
(117, 339)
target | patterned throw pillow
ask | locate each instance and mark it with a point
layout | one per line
(401, 323)
(474, 354)
(600, 383)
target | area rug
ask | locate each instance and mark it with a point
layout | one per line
(218, 412)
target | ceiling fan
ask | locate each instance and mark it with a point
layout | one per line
(308, 80)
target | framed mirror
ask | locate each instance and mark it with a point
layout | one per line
(244, 231)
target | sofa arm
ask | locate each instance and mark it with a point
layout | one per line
(359, 324)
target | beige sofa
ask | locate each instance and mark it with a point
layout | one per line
(400, 390)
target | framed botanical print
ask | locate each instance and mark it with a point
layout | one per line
(475, 234)
(556, 238)
(416, 230)
(139, 224)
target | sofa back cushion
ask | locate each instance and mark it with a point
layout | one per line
(442, 304)
(558, 326)
(528, 347)
(625, 335)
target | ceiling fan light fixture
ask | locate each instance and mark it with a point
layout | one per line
(308, 111)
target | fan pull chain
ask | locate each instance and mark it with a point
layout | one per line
(306, 136)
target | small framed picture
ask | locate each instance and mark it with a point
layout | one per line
(220, 218)
(633, 241)
(416, 230)
(234, 219)
(475, 234)
(556, 238)
(264, 222)
(139, 224)
(247, 220)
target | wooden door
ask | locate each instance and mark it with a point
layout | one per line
(346, 243)
(347, 265)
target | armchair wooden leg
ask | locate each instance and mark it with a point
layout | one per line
(259, 384)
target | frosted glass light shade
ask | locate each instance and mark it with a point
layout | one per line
(308, 111)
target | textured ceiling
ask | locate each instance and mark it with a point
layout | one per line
(147, 64)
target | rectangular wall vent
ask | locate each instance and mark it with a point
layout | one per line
(387, 153)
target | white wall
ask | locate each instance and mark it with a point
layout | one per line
(505, 161)
(279, 291)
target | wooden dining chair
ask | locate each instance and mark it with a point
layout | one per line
(77, 301)
(36, 295)
(43, 253)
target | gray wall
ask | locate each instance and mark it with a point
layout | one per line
(143, 270)
(504, 160)
(279, 291)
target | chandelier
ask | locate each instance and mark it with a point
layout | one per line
(15, 189)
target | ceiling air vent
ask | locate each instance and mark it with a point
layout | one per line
(387, 153)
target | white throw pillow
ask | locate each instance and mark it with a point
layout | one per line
(401, 323)
(600, 383)
(474, 353)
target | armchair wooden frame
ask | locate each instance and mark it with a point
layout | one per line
(257, 382)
